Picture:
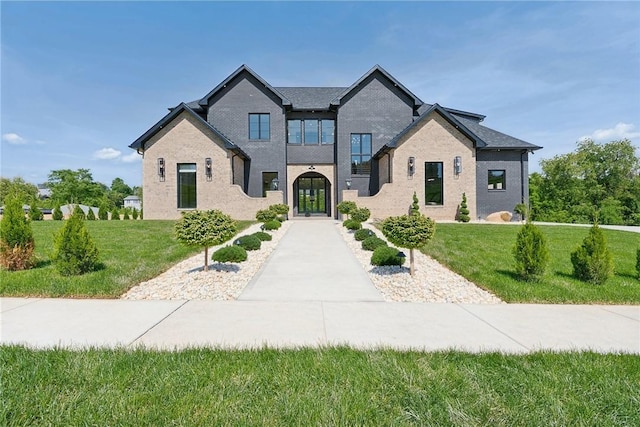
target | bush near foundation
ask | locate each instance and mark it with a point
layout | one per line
(16, 237)
(250, 242)
(266, 215)
(232, 253)
(360, 214)
(272, 225)
(592, 261)
(281, 210)
(346, 207)
(352, 224)
(362, 234)
(372, 243)
(74, 252)
(386, 255)
(463, 212)
(264, 237)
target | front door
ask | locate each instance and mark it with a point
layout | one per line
(312, 195)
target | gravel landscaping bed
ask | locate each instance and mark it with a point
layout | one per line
(432, 282)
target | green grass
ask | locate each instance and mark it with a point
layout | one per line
(482, 253)
(333, 386)
(130, 252)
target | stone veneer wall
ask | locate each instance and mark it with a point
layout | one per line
(435, 140)
(185, 140)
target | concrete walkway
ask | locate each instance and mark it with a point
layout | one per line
(313, 292)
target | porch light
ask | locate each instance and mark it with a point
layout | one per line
(457, 165)
(412, 165)
(161, 168)
(274, 184)
(348, 182)
(207, 168)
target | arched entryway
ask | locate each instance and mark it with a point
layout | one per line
(312, 195)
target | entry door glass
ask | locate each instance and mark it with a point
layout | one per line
(312, 197)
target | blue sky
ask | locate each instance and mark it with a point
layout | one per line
(81, 81)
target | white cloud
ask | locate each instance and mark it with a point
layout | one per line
(13, 138)
(132, 157)
(107, 154)
(619, 131)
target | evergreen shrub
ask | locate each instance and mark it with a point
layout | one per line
(232, 253)
(352, 224)
(386, 255)
(272, 225)
(249, 242)
(530, 252)
(16, 237)
(90, 215)
(264, 237)
(77, 210)
(362, 234)
(372, 243)
(115, 214)
(57, 215)
(463, 212)
(74, 252)
(103, 212)
(346, 207)
(266, 215)
(134, 213)
(280, 209)
(35, 214)
(592, 261)
(360, 214)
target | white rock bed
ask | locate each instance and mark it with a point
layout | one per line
(187, 280)
(432, 282)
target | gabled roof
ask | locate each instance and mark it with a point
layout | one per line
(242, 69)
(377, 68)
(497, 140)
(477, 142)
(138, 144)
(311, 98)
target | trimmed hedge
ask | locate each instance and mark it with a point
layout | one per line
(264, 237)
(386, 255)
(352, 224)
(362, 234)
(250, 242)
(272, 225)
(373, 242)
(232, 253)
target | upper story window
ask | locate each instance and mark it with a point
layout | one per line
(311, 131)
(360, 153)
(259, 126)
(497, 179)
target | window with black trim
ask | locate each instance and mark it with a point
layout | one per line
(433, 184)
(259, 126)
(497, 179)
(187, 186)
(311, 131)
(360, 153)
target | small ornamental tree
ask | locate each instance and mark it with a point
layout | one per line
(360, 214)
(463, 213)
(90, 215)
(346, 207)
(530, 252)
(35, 214)
(134, 213)
(205, 229)
(57, 214)
(592, 260)
(115, 214)
(74, 252)
(415, 206)
(103, 212)
(409, 231)
(16, 237)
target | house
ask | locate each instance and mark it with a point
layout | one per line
(246, 145)
(132, 202)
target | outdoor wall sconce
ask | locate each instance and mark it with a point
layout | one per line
(161, 168)
(348, 182)
(412, 165)
(274, 184)
(207, 168)
(457, 165)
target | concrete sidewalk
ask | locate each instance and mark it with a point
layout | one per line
(509, 328)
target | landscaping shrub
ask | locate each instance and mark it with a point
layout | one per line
(57, 214)
(521, 209)
(415, 205)
(264, 237)
(16, 237)
(360, 214)
(77, 210)
(372, 243)
(362, 234)
(281, 209)
(272, 225)
(463, 212)
(90, 215)
(592, 260)
(346, 207)
(115, 214)
(409, 231)
(266, 215)
(126, 214)
(352, 224)
(386, 255)
(103, 212)
(249, 242)
(134, 213)
(74, 252)
(35, 214)
(530, 252)
(638, 263)
(231, 253)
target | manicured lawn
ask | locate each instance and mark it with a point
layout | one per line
(316, 387)
(130, 251)
(482, 253)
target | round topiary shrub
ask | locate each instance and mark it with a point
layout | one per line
(266, 215)
(346, 207)
(272, 225)
(352, 224)
(386, 255)
(362, 234)
(250, 242)
(264, 237)
(372, 243)
(360, 214)
(232, 253)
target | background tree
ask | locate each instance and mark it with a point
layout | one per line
(205, 229)
(75, 187)
(19, 188)
(74, 251)
(16, 237)
(118, 191)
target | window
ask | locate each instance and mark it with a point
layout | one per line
(186, 186)
(259, 126)
(433, 191)
(360, 153)
(268, 183)
(311, 131)
(497, 180)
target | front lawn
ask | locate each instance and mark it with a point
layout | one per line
(130, 252)
(482, 254)
(331, 386)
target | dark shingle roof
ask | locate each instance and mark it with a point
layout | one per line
(495, 139)
(310, 98)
